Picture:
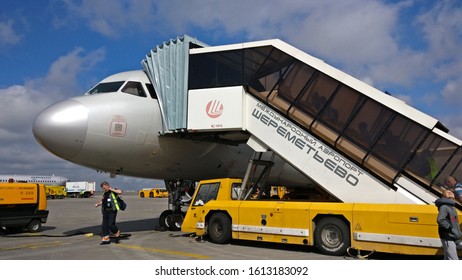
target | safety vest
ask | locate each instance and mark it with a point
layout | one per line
(114, 200)
(434, 168)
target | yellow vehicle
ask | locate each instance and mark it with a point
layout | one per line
(154, 192)
(56, 192)
(22, 205)
(221, 211)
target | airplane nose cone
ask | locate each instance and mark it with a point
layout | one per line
(62, 128)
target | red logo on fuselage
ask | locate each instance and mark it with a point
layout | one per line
(214, 109)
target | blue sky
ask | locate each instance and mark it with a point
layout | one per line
(55, 49)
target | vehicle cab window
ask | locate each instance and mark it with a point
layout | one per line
(206, 193)
(134, 88)
(235, 191)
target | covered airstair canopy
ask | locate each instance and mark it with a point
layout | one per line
(167, 68)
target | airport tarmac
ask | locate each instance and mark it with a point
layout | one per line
(73, 229)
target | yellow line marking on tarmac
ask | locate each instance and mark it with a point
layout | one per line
(163, 251)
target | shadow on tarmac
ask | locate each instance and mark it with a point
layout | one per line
(127, 226)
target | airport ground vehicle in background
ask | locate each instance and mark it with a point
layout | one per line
(154, 192)
(22, 205)
(56, 192)
(80, 189)
(222, 210)
(40, 179)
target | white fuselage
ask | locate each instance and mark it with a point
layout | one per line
(119, 133)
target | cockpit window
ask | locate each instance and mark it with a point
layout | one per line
(151, 90)
(106, 87)
(134, 88)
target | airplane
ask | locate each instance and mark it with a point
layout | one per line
(42, 179)
(116, 128)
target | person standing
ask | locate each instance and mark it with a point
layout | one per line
(448, 225)
(455, 186)
(109, 208)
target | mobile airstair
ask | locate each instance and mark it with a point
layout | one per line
(356, 142)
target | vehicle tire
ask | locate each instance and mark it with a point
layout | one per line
(175, 220)
(142, 194)
(219, 228)
(34, 226)
(163, 218)
(151, 194)
(332, 236)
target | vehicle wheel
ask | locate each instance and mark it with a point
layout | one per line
(151, 194)
(142, 194)
(174, 221)
(34, 226)
(332, 236)
(219, 228)
(163, 218)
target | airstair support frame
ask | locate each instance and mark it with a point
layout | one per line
(251, 176)
(167, 67)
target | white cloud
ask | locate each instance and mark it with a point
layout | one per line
(362, 37)
(452, 93)
(8, 36)
(454, 124)
(20, 104)
(405, 98)
(365, 38)
(442, 28)
(61, 79)
(113, 18)
(358, 36)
